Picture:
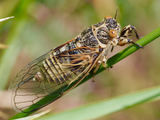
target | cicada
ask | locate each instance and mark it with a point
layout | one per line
(52, 74)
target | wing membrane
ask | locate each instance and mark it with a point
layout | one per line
(49, 76)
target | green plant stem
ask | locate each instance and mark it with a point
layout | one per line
(108, 106)
(111, 61)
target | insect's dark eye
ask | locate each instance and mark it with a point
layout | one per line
(107, 17)
(112, 33)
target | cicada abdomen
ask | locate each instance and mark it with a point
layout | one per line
(51, 74)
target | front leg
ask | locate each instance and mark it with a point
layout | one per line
(124, 36)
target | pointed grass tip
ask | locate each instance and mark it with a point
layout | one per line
(3, 19)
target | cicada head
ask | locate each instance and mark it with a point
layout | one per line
(107, 30)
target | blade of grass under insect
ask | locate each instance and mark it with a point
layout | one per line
(36, 116)
(99, 109)
(119, 56)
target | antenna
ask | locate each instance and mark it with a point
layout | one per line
(116, 13)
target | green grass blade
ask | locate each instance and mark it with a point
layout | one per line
(6, 64)
(99, 109)
(10, 55)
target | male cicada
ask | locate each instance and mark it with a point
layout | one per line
(52, 74)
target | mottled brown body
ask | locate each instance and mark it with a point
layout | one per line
(52, 73)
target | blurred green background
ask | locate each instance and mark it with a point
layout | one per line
(40, 25)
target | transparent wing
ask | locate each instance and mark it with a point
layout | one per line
(39, 79)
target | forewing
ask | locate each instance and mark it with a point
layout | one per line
(66, 67)
(27, 92)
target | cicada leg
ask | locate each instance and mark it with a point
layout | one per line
(124, 36)
(96, 68)
(102, 61)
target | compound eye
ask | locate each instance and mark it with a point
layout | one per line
(112, 33)
(107, 17)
